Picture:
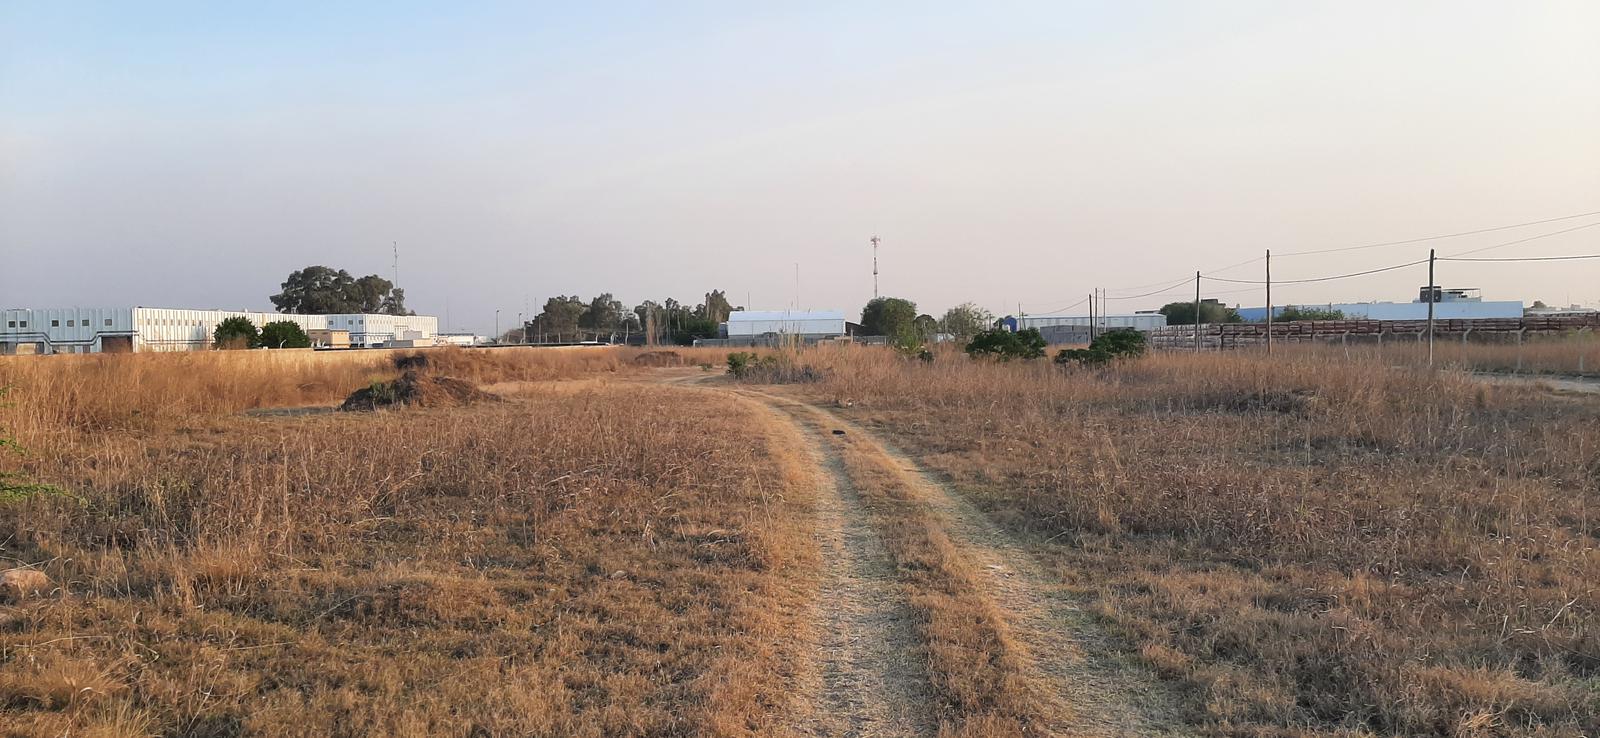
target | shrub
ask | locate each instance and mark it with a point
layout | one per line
(1119, 343)
(770, 368)
(236, 333)
(284, 334)
(1005, 345)
(1297, 312)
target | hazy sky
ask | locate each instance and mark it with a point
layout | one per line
(191, 155)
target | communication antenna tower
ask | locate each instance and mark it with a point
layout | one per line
(875, 241)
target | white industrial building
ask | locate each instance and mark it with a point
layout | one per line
(117, 330)
(804, 323)
(1457, 303)
(1137, 321)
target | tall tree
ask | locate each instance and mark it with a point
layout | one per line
(322, 290)
(603, 314)
(966, 320)
(717, 306)
(559, 319)
(889, 316)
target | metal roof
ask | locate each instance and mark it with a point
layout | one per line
(784, 315)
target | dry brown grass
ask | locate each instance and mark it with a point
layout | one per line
(977, 668)
(1310, 547)
(617, 560)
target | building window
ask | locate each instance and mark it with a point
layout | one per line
(71, 323)
(24, 324)
(55, 324)
(108, 322)
(11, 324)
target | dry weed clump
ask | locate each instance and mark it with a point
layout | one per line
(1311, 546)
(621, 560)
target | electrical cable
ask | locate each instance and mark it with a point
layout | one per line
(1439, 237)
(1318, 279)
(1062, 309)
(1524, 258)
(1525, 240)
(1186, 280)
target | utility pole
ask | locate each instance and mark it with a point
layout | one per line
(1269, 302)
(497, 325)
(396, 245)
(524, 325)
(1197, 312)
(1091, 317)
(1433, 296)
(875, 240)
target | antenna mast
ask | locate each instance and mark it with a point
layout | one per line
(875, 241)
(396, 245)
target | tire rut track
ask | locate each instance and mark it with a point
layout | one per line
(868, 680)
(1104, 691)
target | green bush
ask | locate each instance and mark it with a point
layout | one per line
(1005, 345)
(284, 334)
(236, 333)
(1115, 344)
(770, 368)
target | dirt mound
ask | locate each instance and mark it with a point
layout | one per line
(415, 389)
(658, 358)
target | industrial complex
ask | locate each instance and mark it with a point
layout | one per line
(1465, 303)
(128, 329)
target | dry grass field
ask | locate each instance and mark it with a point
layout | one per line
(605, 560)
(847, 543)
(1307, 546)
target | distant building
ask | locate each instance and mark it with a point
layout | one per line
(128, 329)
(804, 323)
(775, 327)
(1449, 304)
(1137, 321)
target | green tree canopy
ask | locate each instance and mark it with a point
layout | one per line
(320, 290)
(284, 334)
(889, 316)
(1006, 345)
(236, 333)
(1117, 343)
(1182, 313)
(965, 321)
(1300, 312)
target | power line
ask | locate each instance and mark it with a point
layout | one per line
(1441, 236)
(1525, 240)
(1321, 279)
(1525, 258)
(1062, 309)
(1184, 281)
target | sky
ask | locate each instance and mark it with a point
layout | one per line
(1013, 154)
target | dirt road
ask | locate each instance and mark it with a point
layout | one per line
(874, 674)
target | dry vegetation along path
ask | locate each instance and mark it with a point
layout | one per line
(868, 679)
(1079, 682)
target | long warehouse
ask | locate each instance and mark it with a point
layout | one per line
(128, 329)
